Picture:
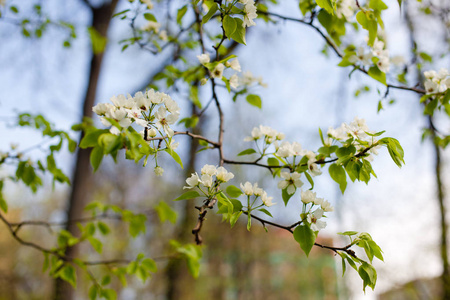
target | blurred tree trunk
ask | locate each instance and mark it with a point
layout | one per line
(81, 188)
(438, 166)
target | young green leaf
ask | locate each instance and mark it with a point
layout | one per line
(304, 235)
(188, 195)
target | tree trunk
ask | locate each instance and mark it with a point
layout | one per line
(81, 188)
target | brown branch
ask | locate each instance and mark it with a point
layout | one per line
(337, 50)
(290, 229)
(209, 204)
(19, 225)
(192, 135)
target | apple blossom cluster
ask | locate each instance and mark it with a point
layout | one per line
(287, 150)
(249, 12)
(269, 135)
(436, 82)
(379, 52)
(218, 69)
(154, 111)
(248, 79)
(153, 27)
(313, 217)
(357, 130)
(206, 179)
(253, 190)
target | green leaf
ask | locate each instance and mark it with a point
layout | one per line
(175, 156)
(272, 161)
(93, 291)
(188, 195)
(136, 223)
(304, 235)
(266, 212)
(337, 173)
(254, 100)
(377, 5)
(431, 107)
(120, 13)
(46, 262)
(310, 180)
(376, 74)
(165, 212)
(96, 244)
(67, 273)
(247, 152)
(229, 25)
(239, 34)
(14, 9)
(233, 191)
(96, 157)
(149, 265)
(349, 233)
(150, 17)
(325, 4)
(104, 229)
(210, 13)
(376, 250)
(286, 196)
(180, 14)
(368, 274)
(91, 138)
(97, 40)
(110, 142)
(395, 150)
(108, 294)
(3, 204)
(346, 151)
(234, 217)
(106, 280)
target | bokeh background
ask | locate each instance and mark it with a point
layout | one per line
(306, 90)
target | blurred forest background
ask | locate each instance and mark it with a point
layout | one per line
(62, 77)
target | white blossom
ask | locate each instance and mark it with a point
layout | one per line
(163, 35)
(217, 72)
(436, 82)
(207, 180)
(159, 171)
(345, 8)
(234, 81)
(326, 206)
(165, 120)
(204, 58)
(148, 3)
(247, 188)
(249, 13)
(209, 170)
(192, 181)
(361, 56)
(313, 219)
(234, 64)
(267, 201)
(291, 182)
(151, 26)
(223, 175)
(102, 108)
(308, 196)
